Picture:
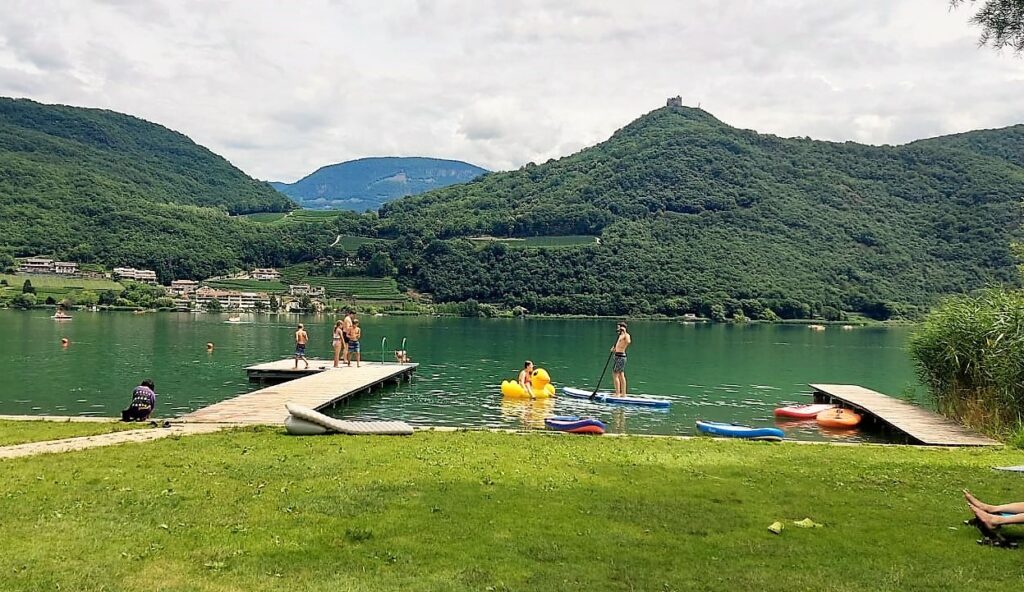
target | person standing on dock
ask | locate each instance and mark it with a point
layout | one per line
(353, 344)
(338, 339)
(346, 328)
(301, 339)
(619, 368)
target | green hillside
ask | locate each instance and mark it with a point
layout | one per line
(90, 185)
(697, 216)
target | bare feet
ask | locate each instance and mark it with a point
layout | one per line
(977, 503)
(989, 520)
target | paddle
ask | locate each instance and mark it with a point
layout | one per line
(594, 394)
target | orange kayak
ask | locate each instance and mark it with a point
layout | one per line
(838, 418)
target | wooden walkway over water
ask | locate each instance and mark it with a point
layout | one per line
(318, 387)
(918, 424)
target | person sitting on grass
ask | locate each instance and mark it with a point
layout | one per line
(992, 515)
(143, 402)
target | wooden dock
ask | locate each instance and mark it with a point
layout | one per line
(920, 425)
(320, 386)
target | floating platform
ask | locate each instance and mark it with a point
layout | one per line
(320, 386)
(920, 425)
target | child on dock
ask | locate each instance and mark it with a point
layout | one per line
(353, 345)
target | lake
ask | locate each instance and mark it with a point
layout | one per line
(716, 372)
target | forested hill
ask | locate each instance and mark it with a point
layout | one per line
(93, 185)
(1005, 144)
(693, 212)
(366, 183)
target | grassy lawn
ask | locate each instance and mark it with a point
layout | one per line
(255, 510)
(56, 283)
(539, 241)
(265, 217)
(20, 432)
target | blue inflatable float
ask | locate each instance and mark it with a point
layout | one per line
(729, 430)
(575, 425)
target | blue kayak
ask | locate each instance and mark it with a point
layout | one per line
(575, 425)
(737, 431)
(605, 397)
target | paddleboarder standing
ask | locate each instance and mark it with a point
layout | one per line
(619, 351)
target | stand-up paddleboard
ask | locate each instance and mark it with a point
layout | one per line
(605, 397)
(803, 411)
(736, 431)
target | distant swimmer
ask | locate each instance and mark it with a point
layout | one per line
(301, 339)
(619, 368)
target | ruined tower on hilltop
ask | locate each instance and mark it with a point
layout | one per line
(674, 102)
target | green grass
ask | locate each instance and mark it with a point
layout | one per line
(539, 241)
(20, 432)
(255, 510)
(266, 217)
(59, 284)
(352, 243)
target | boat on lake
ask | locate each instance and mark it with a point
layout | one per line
(234, 320)
(60, 315)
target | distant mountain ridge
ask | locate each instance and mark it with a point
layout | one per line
(367, 183)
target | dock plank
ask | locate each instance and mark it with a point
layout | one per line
(321, 387)
(919, 424)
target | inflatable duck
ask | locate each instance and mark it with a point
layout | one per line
(540, 384)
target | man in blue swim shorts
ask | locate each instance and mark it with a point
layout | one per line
(353, 345)
(301, 339)
(619, 368)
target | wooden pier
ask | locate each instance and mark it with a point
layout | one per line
(920, 425)
(318, 387)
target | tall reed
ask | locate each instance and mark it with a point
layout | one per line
(970, 352)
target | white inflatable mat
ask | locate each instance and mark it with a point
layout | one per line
(383, 428)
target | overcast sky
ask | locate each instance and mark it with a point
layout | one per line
(282, 88)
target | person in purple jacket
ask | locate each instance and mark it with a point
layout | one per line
(143, 402)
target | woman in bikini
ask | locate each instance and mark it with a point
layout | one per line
(336, 341)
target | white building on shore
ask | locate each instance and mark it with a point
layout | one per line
(146, 276)
(306, 290)
(267, 274)
(35, 265)
(230, 299)
(182, 287)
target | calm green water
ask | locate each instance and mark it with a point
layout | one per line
(715, 372)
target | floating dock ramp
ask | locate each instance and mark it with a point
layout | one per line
(318, 387)
(920, 425)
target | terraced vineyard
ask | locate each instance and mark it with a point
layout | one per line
(247, 285)
(57, 286)
(357, 287)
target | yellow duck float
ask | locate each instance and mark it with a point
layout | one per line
(540, 384)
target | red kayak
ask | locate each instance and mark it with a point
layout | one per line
(803, 411)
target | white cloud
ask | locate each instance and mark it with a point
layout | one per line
(281, 89)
